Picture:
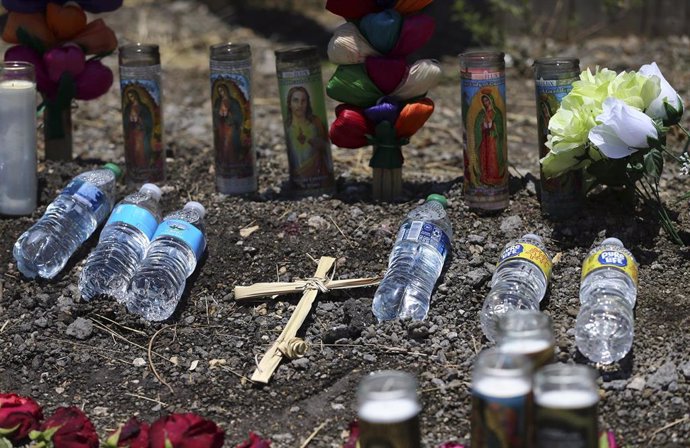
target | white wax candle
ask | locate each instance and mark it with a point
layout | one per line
(498, 387)
(525, 346)
(18, 183)
(566, 399)
(388, 411)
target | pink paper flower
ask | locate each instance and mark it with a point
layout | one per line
(65, 59)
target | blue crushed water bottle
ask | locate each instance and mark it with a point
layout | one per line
(122, 244)
(172, 256)
(415, 262)
(68, 221)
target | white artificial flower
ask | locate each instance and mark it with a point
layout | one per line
(668, 94)
(623, 129)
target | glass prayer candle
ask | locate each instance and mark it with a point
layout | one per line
(231, 90)
(142, 112)
(304, 117)
(388, 411)
(529, 333)
(566, 398)
(18, 179)
(483, 107)
(501, 400)
(562, 196)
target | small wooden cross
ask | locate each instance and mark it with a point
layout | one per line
(288, 344)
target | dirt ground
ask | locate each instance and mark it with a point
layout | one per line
(63, 351)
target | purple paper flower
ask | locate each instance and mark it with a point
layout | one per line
(94, 81)
(65, 59)
(29, 6)
(385, 110)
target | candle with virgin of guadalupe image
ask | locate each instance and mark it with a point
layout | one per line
(483, 106)
(142, 113)
(231, 87)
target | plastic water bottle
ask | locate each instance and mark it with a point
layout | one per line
(415, 262)
(604, 326)
(68, 221)
(159, 281)
(122, 244)
(519, 281)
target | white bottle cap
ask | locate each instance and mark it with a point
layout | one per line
(152, 190)
(193, 205)
(612, 242)
(533, 237)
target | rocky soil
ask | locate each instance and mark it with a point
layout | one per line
(63, 351)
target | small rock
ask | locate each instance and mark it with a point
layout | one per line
(80, 328)
(664, 376)
(685, 369)
(369, 357)
(637, 383)
(139, 362)
(477, 277)
(475, 239)
(41, 322)
(511, 224)
(301, 363)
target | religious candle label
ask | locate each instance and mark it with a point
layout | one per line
(486, 144)
(568, 419)
(562, 193)
(304, 117)
(232, 126)
(142, 121)
(501, 422)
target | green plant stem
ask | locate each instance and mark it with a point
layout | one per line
(666, 222)
(687, 134)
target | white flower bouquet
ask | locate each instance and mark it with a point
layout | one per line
(613, 126)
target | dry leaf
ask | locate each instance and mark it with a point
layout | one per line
(557, 258)
(216, 362)
(175, 360)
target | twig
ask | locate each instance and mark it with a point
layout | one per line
(118, 335)
(151, 364)
(2, 329)
(146, 398)
(120, 325)
(313, 434)
(665, 427)
(238, 375)
(340, 230)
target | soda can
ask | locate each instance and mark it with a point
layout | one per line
(483, 106)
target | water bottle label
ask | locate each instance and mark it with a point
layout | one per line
(135, 216)
(184, 231)
(616, 259)
(85, 193)
(528, 252)
(425, 233)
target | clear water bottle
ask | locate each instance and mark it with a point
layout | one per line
(519, 281)
(415, 262)
(159, 281)
(68, 221)
(122, 244)
(604, 326)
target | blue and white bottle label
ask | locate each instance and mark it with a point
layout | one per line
(184, 231)
(425, 233)
(135, 216)
(86, 193)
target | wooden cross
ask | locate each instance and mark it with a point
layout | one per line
(288, 344)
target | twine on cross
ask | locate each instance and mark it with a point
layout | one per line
(288, 344)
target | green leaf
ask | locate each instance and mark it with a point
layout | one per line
(654, 164)
(611, 172)
(25, 38)
(7, 431)
(4, 443)
(683, 197)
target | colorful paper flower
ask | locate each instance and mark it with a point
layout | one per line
(255, 441)
(352, 9)
(415, 33)
(350, 128)
(382, 29)
(94, 6)
(385, 110)
(413, 116)
(351, 84)
(423, 75)
(386, 73)
(411, 6)
(348, 46)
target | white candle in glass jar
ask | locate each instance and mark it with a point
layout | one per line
(18, 182)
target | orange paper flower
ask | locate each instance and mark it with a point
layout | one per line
(34, 23)
(410, 6)
(96, 38)
(65, 21)
(413, 116)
